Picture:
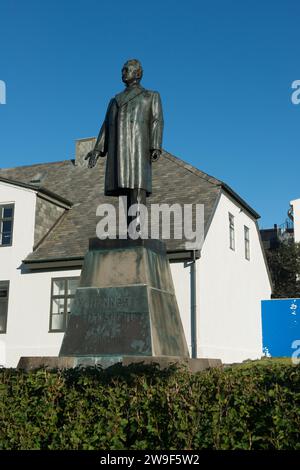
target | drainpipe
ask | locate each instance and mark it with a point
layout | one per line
(193, 274)
(193, 299)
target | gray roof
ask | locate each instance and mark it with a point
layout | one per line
(56, 198)
(174, 181)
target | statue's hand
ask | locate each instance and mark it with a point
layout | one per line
(92, 157)
(155, 154)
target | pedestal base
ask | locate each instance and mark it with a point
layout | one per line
(194, 365)
(125, 304)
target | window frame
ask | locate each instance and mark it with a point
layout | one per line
(231, 231)
(5, 284)
(9, 205)
(65, 297)
(247, 242)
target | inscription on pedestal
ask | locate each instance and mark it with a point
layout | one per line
(115, 302)
(105, 322)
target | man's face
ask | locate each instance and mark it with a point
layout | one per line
(129, 73)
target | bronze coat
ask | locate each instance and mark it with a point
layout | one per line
(133, 126)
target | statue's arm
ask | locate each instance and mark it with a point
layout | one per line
(100, 149)
(157, 126)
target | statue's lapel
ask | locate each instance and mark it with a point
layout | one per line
(125, 96)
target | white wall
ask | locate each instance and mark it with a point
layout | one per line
(11, 257)
(181, 280)
(230, 289)
(296, 213)
(29, 294)
(29, 314)
(23, 230)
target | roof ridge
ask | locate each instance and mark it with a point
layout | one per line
(212, 180)
(35, 164)
(193, 169)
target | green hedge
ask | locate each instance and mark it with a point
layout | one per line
(253, 406)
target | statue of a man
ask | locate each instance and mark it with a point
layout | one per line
(130, 137)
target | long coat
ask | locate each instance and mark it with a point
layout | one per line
(133, 126)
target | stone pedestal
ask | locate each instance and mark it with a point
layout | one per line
(125, 304)
(193, 365)
(124, 311)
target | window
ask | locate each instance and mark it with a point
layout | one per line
(4, 290)
(247, 242)
(231, 232)
(6, 224)
(62, 295)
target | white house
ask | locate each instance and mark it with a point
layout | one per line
(295, 204)
(48, 214)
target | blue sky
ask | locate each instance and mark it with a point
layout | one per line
(224, 70)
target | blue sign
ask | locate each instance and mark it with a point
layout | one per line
(281, 327)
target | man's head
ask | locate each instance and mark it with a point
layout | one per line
(132, 72)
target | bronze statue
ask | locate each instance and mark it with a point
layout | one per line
(131, 137)
(126, 304)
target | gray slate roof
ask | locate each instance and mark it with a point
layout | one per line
(39, 189)
(173, 181)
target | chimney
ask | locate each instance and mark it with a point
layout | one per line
(82, 148)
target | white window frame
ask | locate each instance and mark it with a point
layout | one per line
(231, 231)
(65, 297)
(4, 219)
(247, 242)
(4, 285)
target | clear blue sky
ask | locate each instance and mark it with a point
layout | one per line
(224, 69)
